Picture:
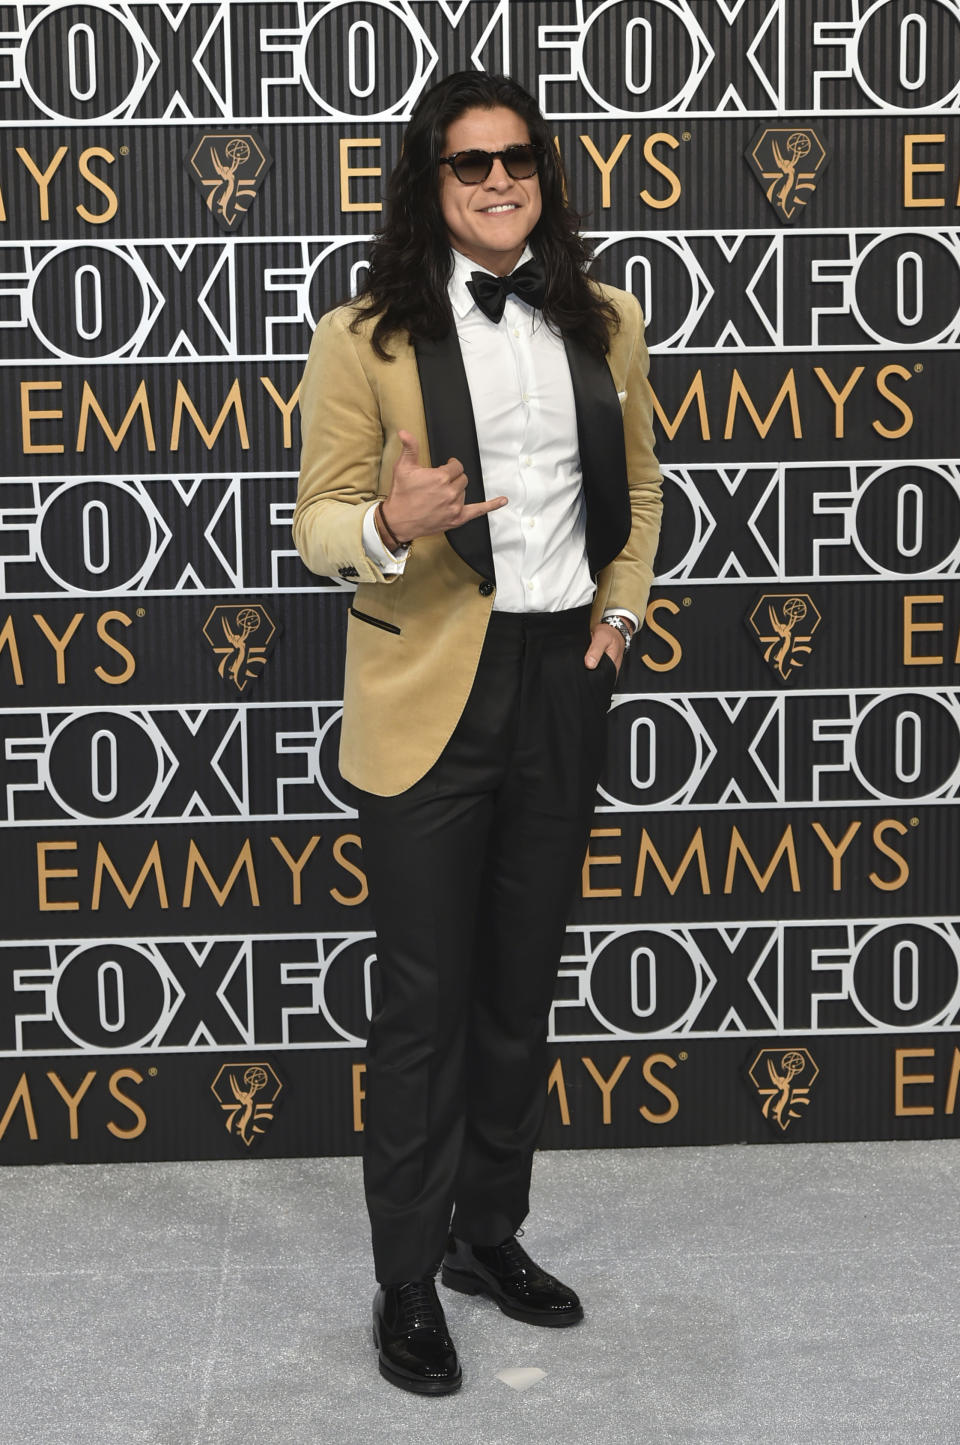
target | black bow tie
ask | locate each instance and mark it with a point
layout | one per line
(490, 292)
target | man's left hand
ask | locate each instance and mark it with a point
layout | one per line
(605, 639)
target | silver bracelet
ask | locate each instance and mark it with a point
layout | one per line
(624, 629)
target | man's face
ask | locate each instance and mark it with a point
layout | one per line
(489, 222)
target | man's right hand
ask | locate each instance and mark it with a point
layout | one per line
(426, 500)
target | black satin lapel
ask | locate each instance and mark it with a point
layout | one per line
(603, 457)
(452, 432)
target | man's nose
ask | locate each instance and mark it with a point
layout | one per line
(499, 177)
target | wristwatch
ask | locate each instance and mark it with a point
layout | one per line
(624, 629)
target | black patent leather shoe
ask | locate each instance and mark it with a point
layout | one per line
(411, 1335)
(507, 1274)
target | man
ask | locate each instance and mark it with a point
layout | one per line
(477, 455)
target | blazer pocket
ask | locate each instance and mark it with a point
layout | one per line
(374, 621)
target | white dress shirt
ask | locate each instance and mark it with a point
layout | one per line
(523, 405)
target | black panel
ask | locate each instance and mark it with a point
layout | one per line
(764, 945)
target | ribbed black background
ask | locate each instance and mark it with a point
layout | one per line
(771, 866)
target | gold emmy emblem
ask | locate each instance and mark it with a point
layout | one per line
(236, 1088)
(784, 623)
(228, 168)
(230, 631)
(786, 162)
(776, 1075)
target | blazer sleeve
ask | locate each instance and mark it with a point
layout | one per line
(626, 581)
(341, 454)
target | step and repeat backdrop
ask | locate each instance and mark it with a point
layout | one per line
(765, 946)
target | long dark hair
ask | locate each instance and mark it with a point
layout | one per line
(410, 260)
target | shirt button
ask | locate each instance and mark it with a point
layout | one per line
(524, 396)
(516, 331)
(531, 521)
(528, 461)
(530, 586)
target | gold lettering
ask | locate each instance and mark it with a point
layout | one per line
(21, 1096)
(903, 868)
(605, 166)
(244, 860)
(836, 850)
(912, 168)
(8, 640)
(184, 403)
(28, 415)
(72, 1101)
(695, 849)
(46, 904)
(105, 864)
(838, 397)
(140, 403)
(140, 1117)
(895, 401)
(42, 178)
(556, 1081)
(673, 1104)
(296, 865)
(952, 1083)
(97, 218)
(904, 1081)
(663, 604)
(661, 137)
(349, 900)
(762, 880)
(912, 600)
(563, 176)
(694, 390)
(347, 171)
(738, 392)
(606, 1086)
(115, 678)
(59, 644)
(599, 861)
(359, 1094)
(285, 407)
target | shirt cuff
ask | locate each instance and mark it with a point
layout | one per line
(391, 563)
(622, 612)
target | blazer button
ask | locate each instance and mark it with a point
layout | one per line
(485, 589)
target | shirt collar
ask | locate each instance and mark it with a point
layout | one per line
(463, 268)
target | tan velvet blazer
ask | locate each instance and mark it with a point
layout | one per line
(414, 640)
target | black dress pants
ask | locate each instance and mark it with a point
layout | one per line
(471, 874)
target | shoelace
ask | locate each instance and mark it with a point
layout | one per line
(418, 1306)
(514, 1255)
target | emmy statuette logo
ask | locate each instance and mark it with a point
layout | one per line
(783, 1078)
(783, 623)
(246, 1093)
(241, 636)
(787, 161)
(228, 169)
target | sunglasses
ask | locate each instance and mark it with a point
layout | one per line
(471, 167)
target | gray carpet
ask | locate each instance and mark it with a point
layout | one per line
(785, 1294)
